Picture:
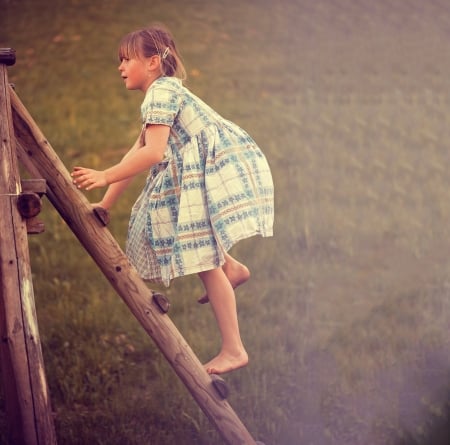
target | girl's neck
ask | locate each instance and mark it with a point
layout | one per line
(150, 82)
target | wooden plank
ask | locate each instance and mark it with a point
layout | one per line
(35, 226)
(38, 186)
(37, 155)
(26, 395)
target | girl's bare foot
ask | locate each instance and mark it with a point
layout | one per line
(236, 272)
(225, 362)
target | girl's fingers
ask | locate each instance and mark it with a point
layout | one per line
(77, 173)
(80, 177)
(87, 179)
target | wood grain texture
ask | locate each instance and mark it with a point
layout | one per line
(26, 393)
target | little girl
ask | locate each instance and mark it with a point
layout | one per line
(209, 186)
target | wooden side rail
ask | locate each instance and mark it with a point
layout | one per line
(27, 401)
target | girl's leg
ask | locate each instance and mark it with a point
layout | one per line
(232, 354)
(236, 272)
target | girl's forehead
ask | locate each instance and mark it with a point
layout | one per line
(129, 47)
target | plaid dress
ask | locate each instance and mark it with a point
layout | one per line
(213, 188)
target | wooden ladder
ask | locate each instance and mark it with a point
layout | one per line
(27, 398)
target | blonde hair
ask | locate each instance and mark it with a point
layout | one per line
(154, 40)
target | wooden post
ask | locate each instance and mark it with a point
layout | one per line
(40, 159)
(27, 401)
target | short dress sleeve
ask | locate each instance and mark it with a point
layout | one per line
(162, 103)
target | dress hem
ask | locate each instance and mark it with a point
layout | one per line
(203, 267)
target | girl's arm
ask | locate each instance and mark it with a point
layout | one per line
(137, 160)
(115, 190)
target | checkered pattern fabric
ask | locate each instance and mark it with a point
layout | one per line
(213, 189)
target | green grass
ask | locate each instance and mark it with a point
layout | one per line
(346, 318)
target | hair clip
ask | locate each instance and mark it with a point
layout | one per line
(165, 53)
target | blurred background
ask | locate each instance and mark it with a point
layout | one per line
(347, 317)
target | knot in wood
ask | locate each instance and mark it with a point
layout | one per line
(29, 204)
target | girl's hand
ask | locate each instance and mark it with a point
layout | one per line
(88, 178)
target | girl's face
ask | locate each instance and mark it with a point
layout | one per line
(136, 74)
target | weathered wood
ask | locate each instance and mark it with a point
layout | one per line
(35, 226)
(27, 400)
(7, 56)
(29, 207)
(220, 386)
(29, 204)
(38, 186)
(102, 215)
(162, 302)
(40, 159)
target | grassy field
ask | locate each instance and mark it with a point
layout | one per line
(347, 317)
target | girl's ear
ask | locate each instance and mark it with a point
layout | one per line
(153, 63)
